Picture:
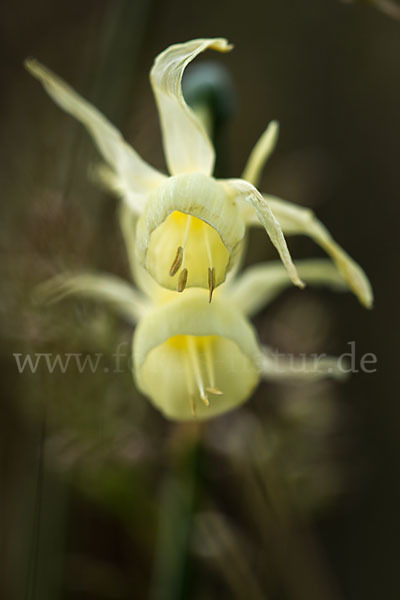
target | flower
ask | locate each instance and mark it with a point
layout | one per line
(191, 226)
(190, 358)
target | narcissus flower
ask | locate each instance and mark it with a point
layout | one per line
(191, 225)
(193, 359)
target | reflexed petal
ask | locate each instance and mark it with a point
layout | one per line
(131, 173)
(276, 366)
(261, 153)
(188, 334)
(211, 238)
(114, 292)
(186, 144)
(248, 193)
(298, 220)
(259, 285)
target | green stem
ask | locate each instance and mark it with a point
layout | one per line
(171, 578)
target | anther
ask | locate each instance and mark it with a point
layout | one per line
(182, 280)
(193, 405)
(211, 282)
(203, 396)
(177, 261)
(215, 391)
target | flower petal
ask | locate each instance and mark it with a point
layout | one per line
(186, 143)
(298, 220)
(162, 356)
(259, 285)
(248, 193)
(277, 366)
(128, 222)
(143, 280)
(114, 292)
(261, 153)
(131, 173)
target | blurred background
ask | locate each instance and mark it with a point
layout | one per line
(293, 496)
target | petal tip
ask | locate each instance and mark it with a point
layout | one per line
(367, 301)
(300, 283)
(30, 64)
(368, 296)
(227, 47)
(222, 44)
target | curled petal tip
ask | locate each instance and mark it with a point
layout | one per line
(226, 46)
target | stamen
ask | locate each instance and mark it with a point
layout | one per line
(215, 391)
(211, 282)
(209, 363)
(209, 255)
(176, 265)
(190, 382)
(211, 270)
(204, 397)
(193, 405)
(182, 280)
(186, 235)
(196, 368)
(212, 389)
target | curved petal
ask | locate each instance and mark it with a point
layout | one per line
(276, 367)
(143, 280)
(259, 285)
(188, 348)
(298, 220)
(114, 292)
(248, 193)
(186, 143)
(261, 153)
(131, 173)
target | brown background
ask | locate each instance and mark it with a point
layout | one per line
(329, 72)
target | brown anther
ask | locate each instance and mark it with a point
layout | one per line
(177, 261)
(193, 405)
(211, 282)
(182, 280)
(215, 391)
(205, 399)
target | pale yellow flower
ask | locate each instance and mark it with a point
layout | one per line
(193, 359)
(191, 225)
